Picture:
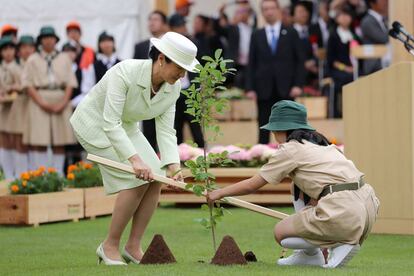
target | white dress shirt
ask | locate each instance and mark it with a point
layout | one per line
(276, 27)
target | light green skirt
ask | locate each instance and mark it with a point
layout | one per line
(116, 180)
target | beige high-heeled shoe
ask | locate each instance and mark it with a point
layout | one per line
(128, 257)
(102, 257)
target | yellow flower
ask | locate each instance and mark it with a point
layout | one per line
(15, 188)
(42, 169)
(24, 183)
(87, 166)
(70, 176)
(25, 176)
(51, 170)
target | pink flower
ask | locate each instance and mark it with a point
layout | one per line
(240, 155)
(184, 152)
(196, 152)
(257, 150)
(217, 149)
(273, 145)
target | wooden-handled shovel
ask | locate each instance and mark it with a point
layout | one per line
(165, 180)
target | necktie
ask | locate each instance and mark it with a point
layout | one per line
(273, 41)
(50, 74)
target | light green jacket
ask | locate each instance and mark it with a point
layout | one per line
(112, 109)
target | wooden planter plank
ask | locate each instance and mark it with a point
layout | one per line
(244, 109)
(268, 194)
(97, 203)
(40, 208)
(4, 187)
(317, 107)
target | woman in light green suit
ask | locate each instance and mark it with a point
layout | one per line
(106, 124)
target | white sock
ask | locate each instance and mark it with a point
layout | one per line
(8, 163)
(298, 204)
(299, 243)
(31, 160)
(21, 163)
(39, 159)
(59, 162)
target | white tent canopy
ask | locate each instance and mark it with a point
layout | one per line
(126, 20)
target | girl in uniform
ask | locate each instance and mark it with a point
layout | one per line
(49, 81)
(344, 206)
(11, 112)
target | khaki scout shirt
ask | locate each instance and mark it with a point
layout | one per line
(311, 167)
(10, 77)
(35, 71)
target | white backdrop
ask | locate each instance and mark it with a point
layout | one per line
(126, 20)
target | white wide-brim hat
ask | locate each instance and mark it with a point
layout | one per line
(179, 49)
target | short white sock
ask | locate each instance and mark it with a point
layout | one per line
(299, 243)
(31, 160)
(298, 204)
(39, 159)
(59, 162)
(8, 163)
(21, 163)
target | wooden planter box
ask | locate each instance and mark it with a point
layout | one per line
(4, 187)
(40, 208)
(97, 203)
(226, 116)
(268, 194)
(317, 107)
(245, 109)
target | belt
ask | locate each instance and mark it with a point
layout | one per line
(342, 187)
(51, 87)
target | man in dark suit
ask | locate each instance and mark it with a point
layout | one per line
(375, 31)
(157, 25)
(276, 64)
(238, 37)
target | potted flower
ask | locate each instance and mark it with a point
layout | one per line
(39, 196)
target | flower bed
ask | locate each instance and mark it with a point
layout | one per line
(243, 156)
(37, 197)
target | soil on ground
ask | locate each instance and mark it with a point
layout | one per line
(158, 252)
(228, 253)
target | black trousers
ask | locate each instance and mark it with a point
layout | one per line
(181, 117)
(340, 79)
(148, 127)
(264, 108)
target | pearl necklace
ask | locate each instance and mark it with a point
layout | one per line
(153, 90)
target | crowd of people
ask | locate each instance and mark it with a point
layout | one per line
(279, 61)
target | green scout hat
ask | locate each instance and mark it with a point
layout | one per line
(26, 39)
(6, 40)
(47, 31)
(287, 115)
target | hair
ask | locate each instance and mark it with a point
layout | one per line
(308, 135)
(276, 1)
(302, 4)
(154, 53)
(370, 2)
(205, 19)
(161, 14)
(344, 10)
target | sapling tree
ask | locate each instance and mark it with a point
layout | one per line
(201, 103)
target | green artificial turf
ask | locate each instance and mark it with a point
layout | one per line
(69, 248)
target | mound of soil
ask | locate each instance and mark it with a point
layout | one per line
(158, 252)
(228, 253)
